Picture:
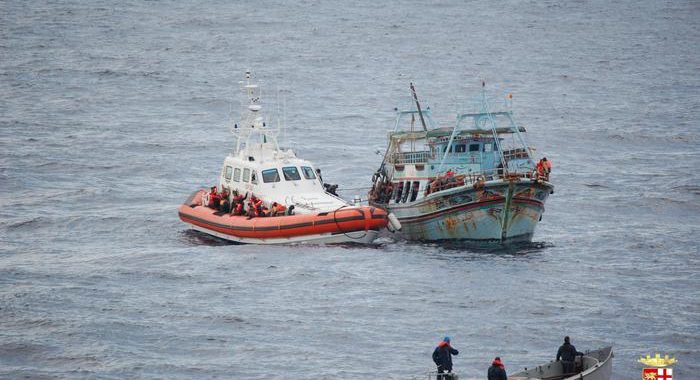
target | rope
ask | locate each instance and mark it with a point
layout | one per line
(335, 220)
(354, 188)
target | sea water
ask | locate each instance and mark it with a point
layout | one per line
(112, 113)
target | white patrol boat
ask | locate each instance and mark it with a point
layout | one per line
(259, 168)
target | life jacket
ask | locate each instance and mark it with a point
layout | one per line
(214, 198)
(540, 168)
(255, 206)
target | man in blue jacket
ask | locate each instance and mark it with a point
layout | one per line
(442, 356)
(567, 353)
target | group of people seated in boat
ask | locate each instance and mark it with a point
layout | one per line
(384, 192)
(447, 181)
(235, 204)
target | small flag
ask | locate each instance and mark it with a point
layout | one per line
(657, 374)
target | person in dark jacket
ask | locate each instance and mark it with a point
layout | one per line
(567, 353)
(497, 371)
(442, 356)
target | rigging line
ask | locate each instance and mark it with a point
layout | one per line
(335, 219)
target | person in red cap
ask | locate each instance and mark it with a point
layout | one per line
(497, 371)
(442, 356)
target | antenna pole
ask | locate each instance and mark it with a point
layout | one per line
(420, 113)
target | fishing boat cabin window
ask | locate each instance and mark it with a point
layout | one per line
(308, 172)
(399, 191)
(237, 175)
(474, 147)
(227, 174)
(460, 148)
(406, 191)
(254, 177)
(488, 147)
(414, 190)
(270, 175)
(291, 173)
(246, 175)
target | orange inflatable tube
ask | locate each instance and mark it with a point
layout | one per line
(343, 220)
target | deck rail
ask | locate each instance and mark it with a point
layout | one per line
(410, 157)
(479, 178)
(517, 153)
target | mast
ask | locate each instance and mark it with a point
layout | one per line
(420, 113)
(492, 120)
(252, 122)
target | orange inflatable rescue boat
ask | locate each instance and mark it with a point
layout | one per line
(346, 224)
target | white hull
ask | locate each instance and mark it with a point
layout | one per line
(597, 366)
(359, 237)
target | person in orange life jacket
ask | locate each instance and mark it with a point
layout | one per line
(237, 204)
(540, 169)
(544, 167)
(497, 371)
(277, 209)
(255, 207)
(259, 208)
(547, 166)
(214, 198)
(442, 356)
(251, 206)
(237, 209)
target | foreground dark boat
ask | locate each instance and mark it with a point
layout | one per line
(593, 365)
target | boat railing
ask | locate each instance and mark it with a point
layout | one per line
(500, 173)
(477, 179)
(517, 153)
(410, 157)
